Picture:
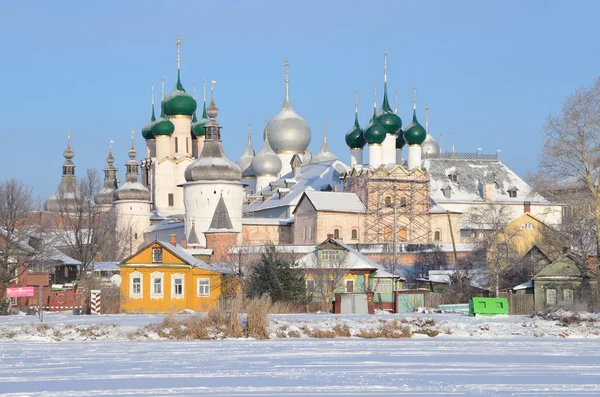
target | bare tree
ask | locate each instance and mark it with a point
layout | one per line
(325, 277)
(492, 237)
(570, 165)
(86, 231)
(18, 227)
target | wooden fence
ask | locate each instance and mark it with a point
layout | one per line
(110, 300)
(434, 299)
(519, 303)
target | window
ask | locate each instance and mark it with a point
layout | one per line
(466, 233)
(330, 255)
(176, 145)
(453, 177)
(66, 271)
(447, 192)
(550, 297)
(310, 286)
(13, 301)
(349, 285)
(437, 236)
(136, 287)
(177, 286)
(402, 234)
(528, 226)
(310, 232)
(388, 201)
(503, 251)
(568, 295)
(157, 255)
(305, 234)
(336, 233)
(171, 200)
(203, 287)
(388, 235)
(383, 286)
(403, 202)
(156, 285)
(354, 234)
(187, 145)
(512, 193)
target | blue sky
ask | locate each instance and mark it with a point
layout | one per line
(489, 71)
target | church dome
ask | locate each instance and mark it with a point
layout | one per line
(212, 164)
(162, 126)
(147, 130)
(354, 136)
(325, 153)
(386, 116)
(288, 131)
(266, 162)
(245, 160)
(415, 133)
(132, 189)
(400, 142)
(198, 125)
(179, 102)
(374, 133)
(429, 147)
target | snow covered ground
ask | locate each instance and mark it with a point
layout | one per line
(498, 356)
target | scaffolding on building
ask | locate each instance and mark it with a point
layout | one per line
(397, 204)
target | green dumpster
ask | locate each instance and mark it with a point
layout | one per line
(488, 306)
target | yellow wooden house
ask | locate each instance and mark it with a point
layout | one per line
(162, 278)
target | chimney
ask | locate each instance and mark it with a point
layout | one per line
(173, 239)
(184, 243)
(330, 235)
(489, 191)
(527, 206)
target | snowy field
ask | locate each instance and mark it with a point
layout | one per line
(482, 357)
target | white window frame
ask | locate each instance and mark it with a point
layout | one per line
(330, 255)
(174, 277)
(153, 277)
(157, 249)
(549, 293)
(207, 286)
(383, 286)
(132, 294)
(528, 226)
(568, 295)
(349, 280)
(13, 301)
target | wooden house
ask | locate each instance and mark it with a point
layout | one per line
(162, 277)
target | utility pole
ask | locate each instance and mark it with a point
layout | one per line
(395, 242)
(458, 276)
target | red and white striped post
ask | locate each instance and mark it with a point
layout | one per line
(96, 297)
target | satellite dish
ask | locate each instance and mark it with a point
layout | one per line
(116, 280)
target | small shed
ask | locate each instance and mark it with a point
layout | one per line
(564, 282)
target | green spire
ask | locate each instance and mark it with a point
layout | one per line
(386, 116)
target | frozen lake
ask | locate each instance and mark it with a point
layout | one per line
(303, 367)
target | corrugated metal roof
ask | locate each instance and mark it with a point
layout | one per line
(335, 201)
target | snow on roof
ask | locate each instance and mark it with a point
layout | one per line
(314, 177)
(525, 285)
(471, 174)
(104, 266)
(335, 201)
(286, 249)
(267, 221)
(165, 225)
(187, 257)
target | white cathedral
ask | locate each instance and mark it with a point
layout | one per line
(185, 174)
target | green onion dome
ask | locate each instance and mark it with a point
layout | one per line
(375, 132)
(415, 133)
(162, 126)
(400, 142)
(386, 116)
(354, 136)
(147, 130)
(179, 102)
(198, 125)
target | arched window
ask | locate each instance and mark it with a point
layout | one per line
(387, 201)
(528, 226)
(437, 235)
(336, 233)
(354, 234)
(388, 234)
(402, 234)
(403, 202)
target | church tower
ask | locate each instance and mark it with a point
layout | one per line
(64, 200)
(209, 179)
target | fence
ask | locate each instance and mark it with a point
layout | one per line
(110, 301)
(434, 299)
(519, 303)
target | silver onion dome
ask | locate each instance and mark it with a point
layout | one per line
(132, 189)
(429, 147)
(266, 162)
(245, 160)
(212, 164)
(106, 196)
(325, 153)
(288, 131)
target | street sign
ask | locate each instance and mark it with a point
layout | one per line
(19, 292)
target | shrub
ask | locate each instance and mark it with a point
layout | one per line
(257, 323)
